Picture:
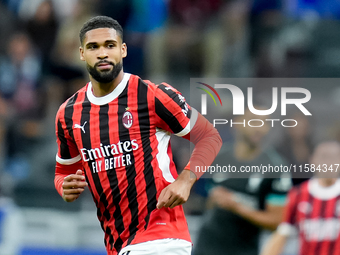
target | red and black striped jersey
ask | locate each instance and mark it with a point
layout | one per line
(123, 142)
(315, 212)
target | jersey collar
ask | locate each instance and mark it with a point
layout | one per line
(109, 97)
(323, 193)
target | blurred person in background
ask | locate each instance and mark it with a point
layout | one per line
(313, 208)
(7, 26)
(230, 37)
(66, 69)
(20, 93)
(297, 146)
(42, 28)
(189, 22)
(265, 23)
(13, 5)
(143, 33)
(128, 121)
(119, 10)
(239, 208)
(66, 47)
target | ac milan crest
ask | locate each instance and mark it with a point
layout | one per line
(127, 119)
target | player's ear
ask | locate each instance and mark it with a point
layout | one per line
(81, 51)
(124, 50)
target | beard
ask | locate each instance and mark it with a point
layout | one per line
(104, 76)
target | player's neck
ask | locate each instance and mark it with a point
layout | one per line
(103, 89)
(326, 182)
(245, 152)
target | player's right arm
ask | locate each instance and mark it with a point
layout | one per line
(69, 186)
(69, 180)
(275, 244)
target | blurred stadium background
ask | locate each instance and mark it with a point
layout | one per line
(168, 40)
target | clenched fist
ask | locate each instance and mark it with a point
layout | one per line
(73, 186)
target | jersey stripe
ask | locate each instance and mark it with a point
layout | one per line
(130, 170)
(334, 248)
(114, 192)
(304, 197)
(292, 206)
(329, 213)
(115, 184)
(98, 170)
(174, 95)
(168, 117)
(69, 109)
(64, 148)
(312, 214)
(144, 121)
(321, 214)
(135, 135)
(86, 140)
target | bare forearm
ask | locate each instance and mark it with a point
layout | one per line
(264, 219)
(275, 244)
(187, 176)
(177, 192)
(269, 218)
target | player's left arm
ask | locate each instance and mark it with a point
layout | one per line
(269, 218)
(207, 143)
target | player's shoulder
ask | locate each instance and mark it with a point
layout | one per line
(300, 188)
(162, 86)
(69, 102)
(138, 81)
(168, 89)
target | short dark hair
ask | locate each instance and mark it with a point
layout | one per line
(100, 22)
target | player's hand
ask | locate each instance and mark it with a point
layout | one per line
(73, 186)
(178, 192)
(223, 198)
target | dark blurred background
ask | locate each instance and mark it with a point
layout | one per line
(168, 40)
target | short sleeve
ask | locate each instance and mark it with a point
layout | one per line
(287, 227)
(68, 153)
(173, 112)
(290, 209)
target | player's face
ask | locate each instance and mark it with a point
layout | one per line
(103, 52)
(326, 157)
(253, 136)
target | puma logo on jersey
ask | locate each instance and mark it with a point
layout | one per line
(81, 127)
